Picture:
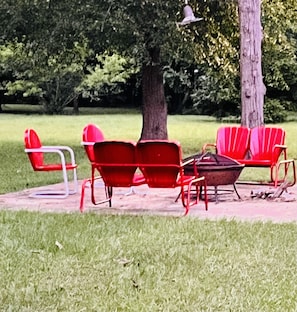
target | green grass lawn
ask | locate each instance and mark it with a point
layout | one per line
(89, 262)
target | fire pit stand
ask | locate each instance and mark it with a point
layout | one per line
(217, 169)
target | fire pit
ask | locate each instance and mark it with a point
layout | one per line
(217, 170)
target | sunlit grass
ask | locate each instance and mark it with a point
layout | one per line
(58, 262)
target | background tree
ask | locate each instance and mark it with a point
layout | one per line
(53, 80)
(252, 86)
(120, 27)
(198, 64)
(215, 89)
(153, 36)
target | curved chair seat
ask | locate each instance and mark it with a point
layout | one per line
(161, 163)
(36, 151)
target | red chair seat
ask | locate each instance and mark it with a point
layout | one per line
(255, 162)
(264, 146)
(117, 164)
(161, 164)
(35, 151)
(54, 167)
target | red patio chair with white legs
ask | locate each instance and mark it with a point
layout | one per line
(36, 151)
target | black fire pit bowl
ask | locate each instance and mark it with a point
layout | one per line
(217, 169)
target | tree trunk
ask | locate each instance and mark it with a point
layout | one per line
(252, 86)
(154, 107)
(75, 106)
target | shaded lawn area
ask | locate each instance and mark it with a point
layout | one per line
(72, 262)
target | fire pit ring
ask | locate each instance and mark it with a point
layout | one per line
(217, 169)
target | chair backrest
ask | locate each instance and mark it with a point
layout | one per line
(233, 141)
(116, 162)
(160, 162)
(263, 140)
(91, 134)
(31, 140)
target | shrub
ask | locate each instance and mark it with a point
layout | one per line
(274, 111)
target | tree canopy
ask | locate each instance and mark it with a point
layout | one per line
(50, 45)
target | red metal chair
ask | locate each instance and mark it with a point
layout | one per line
(162, 167)
(36, 151)
(91, 134)
(231, 141)
(268, 149)
(117, 164)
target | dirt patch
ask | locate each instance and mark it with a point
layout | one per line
(143, 200)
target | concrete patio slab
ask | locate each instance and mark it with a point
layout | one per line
(161, 202)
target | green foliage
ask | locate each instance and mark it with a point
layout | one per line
(106, 76)
(215, 45)
(274, 111)
(70, 33)
(6, 53)
(177, 83)
(279, 44)
(211, 93)
(52, 78)
(26, 88)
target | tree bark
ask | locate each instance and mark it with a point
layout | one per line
(252, 86)
(75, 106)
(154, 107)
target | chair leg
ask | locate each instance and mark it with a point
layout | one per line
(108, 194)
(88, 182)
(53, 194)
(49, 194)
(75, 182)
(66, 181)
(82, 195)
(286, 163)
(205, 194)
(187, 201)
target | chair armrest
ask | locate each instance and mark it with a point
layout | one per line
(283, 149)
(54, 149)
(87, 143)
(189, 161)
(205, 146)
(280, 146)
(62, 148)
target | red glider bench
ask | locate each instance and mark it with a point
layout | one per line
(157, 164)
(257, 147)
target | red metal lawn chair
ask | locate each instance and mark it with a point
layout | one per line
(268, 149)
(117, 164)
(36, 152)
(91, 134)
(162, 167)
(231, 141)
